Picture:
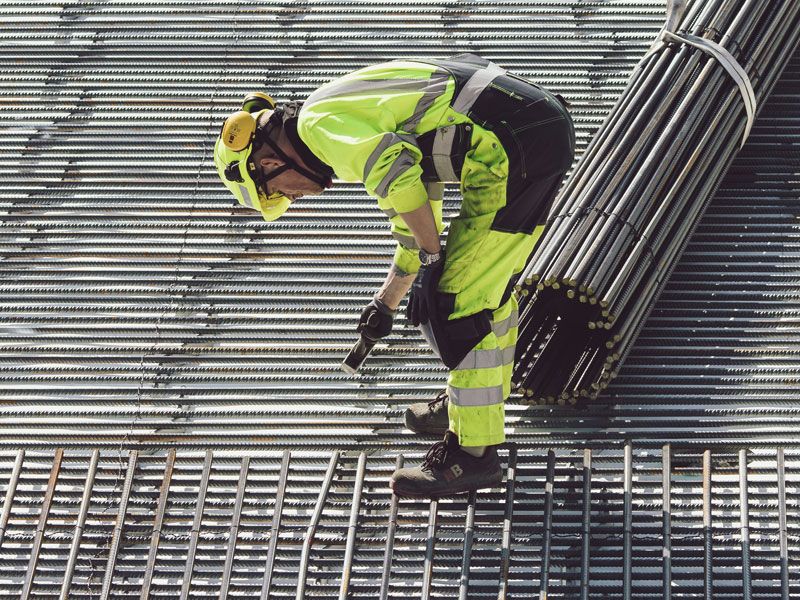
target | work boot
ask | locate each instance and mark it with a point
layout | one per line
(429, 417)
(448, 470)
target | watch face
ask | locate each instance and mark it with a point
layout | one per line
(426, 258)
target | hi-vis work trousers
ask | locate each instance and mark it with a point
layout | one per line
(522, 143)
(478, 387)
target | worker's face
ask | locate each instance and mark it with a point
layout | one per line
(290, 183)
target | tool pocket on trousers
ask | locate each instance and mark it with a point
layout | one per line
(464, 239)
(453, 340)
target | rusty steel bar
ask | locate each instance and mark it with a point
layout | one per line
(12, 488)
(76, 536)
(430, 543)
(544, 574)
(744, 520)
(469, 533)
(505, 547)
(708, 540)
(666, 522)
(353, 526)
(42, 523)
(198, 519)
(116, 537)
(391, 529)
(627, 516)
(586, 532)
(312, 526)
(159, 521)
(233, 535)
(782, 531)
(275, 527)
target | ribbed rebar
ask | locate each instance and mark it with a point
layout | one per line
(10, 491)
(782, 531)
(116, 535)
(708, 541)
(233, 533)
(42, 524)
(627, 520)
(430, 545)
(744, 522)
(544, 574)
(391, 528)
(79, 526)
(312, 526)
(195, 530)
(159, 521)
(638, 193)
(505, 545)
(666, 521)
(469, 535)
(275, 526)
(586, 532)
(352, 527)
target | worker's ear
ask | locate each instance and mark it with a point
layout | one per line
(270, 162)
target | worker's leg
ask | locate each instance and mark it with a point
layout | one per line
(509, 178)
(478, 387)
(480, 262)
(467, 458)
(485, 251)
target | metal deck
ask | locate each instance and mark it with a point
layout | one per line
(621, 523)
(142, 312)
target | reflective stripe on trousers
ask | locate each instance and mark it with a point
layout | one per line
(478, 387)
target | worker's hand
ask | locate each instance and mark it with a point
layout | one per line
(376, 320)
(422, 301)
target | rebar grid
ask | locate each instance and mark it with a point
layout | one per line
(584, 522)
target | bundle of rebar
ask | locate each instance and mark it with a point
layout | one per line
(626, 213)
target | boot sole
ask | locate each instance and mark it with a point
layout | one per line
(436, 433)
(444, 494)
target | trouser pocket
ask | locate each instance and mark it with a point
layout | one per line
(453, 339)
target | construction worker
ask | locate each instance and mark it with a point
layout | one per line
(403, 128)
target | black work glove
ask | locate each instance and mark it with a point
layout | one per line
(422, 301)
(376, 320)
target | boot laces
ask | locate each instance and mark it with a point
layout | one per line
(436, 456)
(442, 397)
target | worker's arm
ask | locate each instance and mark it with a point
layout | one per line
(395, 287)
(425, 229)
(423, 225)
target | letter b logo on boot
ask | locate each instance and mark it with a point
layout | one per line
(455, 472)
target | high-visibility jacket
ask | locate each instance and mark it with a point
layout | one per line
(370, 126)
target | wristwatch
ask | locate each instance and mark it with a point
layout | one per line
(427, 258)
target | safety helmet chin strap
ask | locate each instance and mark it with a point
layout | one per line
(280, 117)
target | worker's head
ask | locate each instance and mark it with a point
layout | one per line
(262, 161)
